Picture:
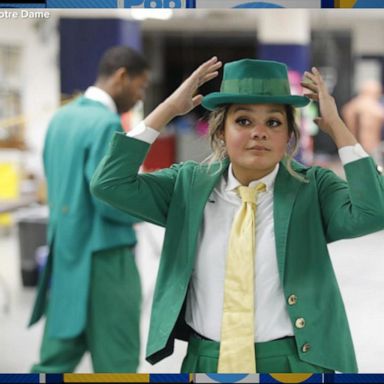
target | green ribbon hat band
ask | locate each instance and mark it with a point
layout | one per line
(265, 87)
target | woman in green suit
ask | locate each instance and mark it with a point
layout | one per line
(245, 275)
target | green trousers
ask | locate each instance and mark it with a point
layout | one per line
(278, 356)
(112, 332)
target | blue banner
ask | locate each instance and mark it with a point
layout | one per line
(258, 4)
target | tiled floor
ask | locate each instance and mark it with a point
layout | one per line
(359, 265)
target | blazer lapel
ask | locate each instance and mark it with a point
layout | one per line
(202, 185)
(285, 193)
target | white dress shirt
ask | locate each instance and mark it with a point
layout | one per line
(206, 294)
(97, 94)
(206, 291)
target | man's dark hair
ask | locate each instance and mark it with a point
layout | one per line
(121, 56)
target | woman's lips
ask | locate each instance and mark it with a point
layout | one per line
(258, 148)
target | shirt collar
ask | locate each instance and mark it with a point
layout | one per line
(97, 94)
(268, 180)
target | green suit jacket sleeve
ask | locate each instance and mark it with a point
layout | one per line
(117, 182)
(94, 156)
(354, 207)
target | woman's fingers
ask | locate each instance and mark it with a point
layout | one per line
(208, 77)
(209, 64)
(314, 75)
(207, 71)
(310, 76)
(312, 87)
(310, 81)
(314, 82)
(312, 96)
(318, 79)
(196, 100)
(317, 74)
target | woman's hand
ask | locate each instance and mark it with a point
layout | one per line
(329, 120)
(185, 98)
(329, 116)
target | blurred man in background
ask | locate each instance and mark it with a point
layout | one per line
(90, 290)
(364, 115)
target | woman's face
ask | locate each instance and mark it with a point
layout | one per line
(256, 137)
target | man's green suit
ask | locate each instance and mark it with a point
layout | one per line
(91, 248)
(307, 216)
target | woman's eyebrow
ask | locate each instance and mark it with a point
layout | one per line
(276, 111)
(237, 109)
(245, 109)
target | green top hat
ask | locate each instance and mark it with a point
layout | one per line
(250, 81)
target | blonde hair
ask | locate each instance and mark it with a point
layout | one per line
(216, 124)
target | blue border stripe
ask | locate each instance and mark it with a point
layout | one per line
(169, 378)
(316, 378)
(20, 378)
(54, 378)
(363, 378)
(327, 4)
(34, 4)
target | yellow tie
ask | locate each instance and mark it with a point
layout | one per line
(237, 351)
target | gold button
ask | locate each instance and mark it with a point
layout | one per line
(300, 322)
(65, 209)
(380, 169)
(306, 347)
(292, 300)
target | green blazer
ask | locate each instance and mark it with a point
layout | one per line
(307, 216)
(79, 224)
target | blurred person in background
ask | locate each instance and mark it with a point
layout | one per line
(364, 116)
(90, 291)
